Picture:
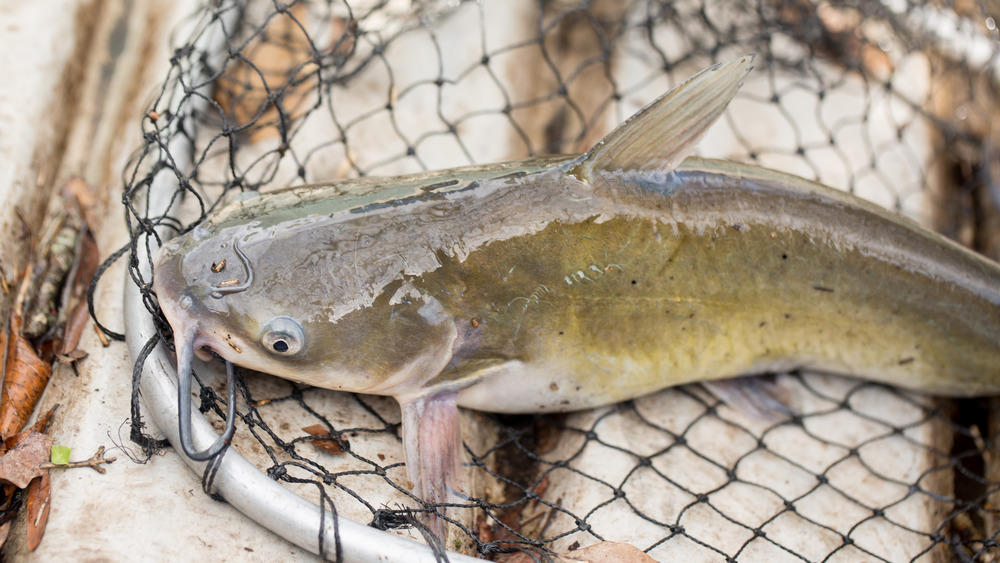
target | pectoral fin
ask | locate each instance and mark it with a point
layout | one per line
(433, 444)
(664, 133)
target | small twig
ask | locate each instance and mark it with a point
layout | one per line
(94, 462)
(101, 336)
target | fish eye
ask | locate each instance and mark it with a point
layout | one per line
(282, 336)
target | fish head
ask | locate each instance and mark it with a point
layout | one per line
(236, 294)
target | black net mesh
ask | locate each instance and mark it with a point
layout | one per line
(891, 100)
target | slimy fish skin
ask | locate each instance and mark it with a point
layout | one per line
(567, 282)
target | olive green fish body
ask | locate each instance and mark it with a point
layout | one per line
(726, 270)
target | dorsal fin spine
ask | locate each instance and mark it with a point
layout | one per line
(665, 132)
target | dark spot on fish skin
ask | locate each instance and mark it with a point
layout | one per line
(788, 315)
(553, 386)
(633, 282)
(784, 257)
(691, 316)
(560, 333)
(762, 324)
(738, 228)
(823, 289)
(905, 361)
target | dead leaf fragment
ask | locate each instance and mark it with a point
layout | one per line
(23, 463)
(326, 442)
(41, 425)
(75, 325)
(39, 493)
(24, 378)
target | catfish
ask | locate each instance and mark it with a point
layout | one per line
(566, 282)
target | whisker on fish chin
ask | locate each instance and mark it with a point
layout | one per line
(185, 353)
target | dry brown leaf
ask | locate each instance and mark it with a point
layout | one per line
(41, 425)
(23, 463)
(75, 314)
(24, 378)
(75, 325)
(39, 493)
(327, 443)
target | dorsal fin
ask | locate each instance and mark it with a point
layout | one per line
(662, 134)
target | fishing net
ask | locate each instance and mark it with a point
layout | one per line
(891, 100)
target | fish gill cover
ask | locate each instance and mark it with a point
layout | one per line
(894, 101)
